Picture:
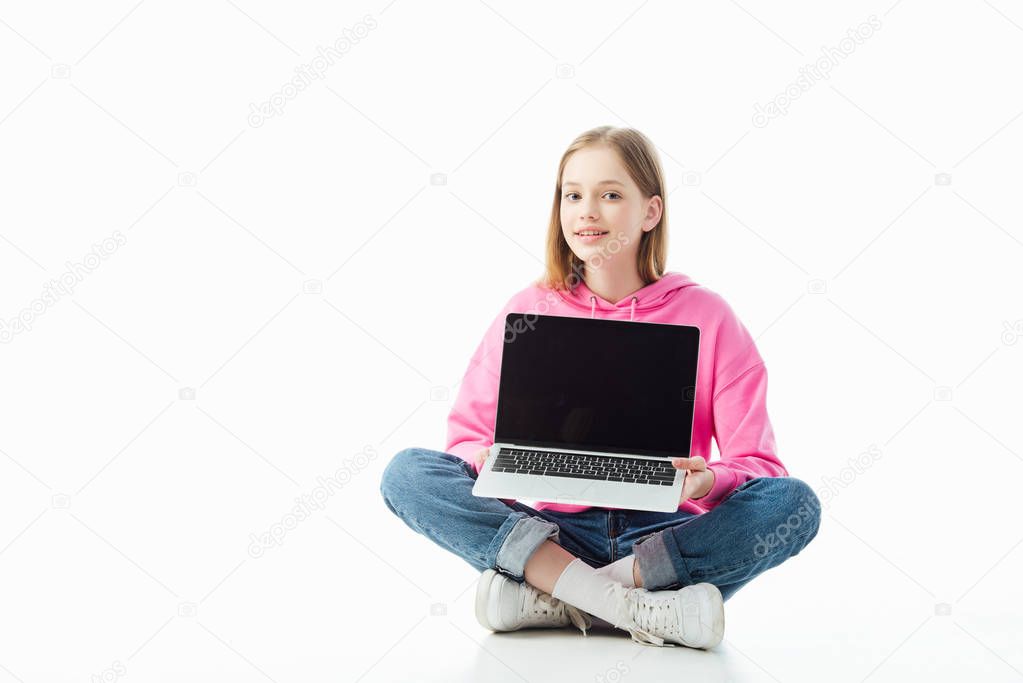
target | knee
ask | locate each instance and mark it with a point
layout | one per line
(794, 508)
(805, 505)
(400, 473)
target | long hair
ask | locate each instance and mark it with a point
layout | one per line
(563, 269)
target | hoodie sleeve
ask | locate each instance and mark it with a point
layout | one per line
(473, 416)
(741, 425)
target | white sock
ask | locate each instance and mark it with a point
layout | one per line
(620, 571)
(583, 587)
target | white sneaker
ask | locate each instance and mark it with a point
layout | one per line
(506, 605)
(693, 616)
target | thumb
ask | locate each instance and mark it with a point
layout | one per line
(695, 463)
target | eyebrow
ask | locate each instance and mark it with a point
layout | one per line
(602, 182)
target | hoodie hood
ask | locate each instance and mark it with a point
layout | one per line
(651, 297)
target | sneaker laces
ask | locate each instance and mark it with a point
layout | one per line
(544, 607)
(642, 618)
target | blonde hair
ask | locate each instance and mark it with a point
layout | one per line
(564, 270)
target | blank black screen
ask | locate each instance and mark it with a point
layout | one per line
(601, 385)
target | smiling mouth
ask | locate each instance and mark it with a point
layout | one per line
(591, 233)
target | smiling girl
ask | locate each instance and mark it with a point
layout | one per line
(663, 577)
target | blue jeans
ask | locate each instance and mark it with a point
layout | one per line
(756, 527)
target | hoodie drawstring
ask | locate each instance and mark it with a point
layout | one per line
(632, 307)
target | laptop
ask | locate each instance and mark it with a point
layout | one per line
(591, 412)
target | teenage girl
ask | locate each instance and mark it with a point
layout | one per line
(663, 577)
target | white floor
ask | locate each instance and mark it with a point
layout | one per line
(352, 594)
(864, 621)
(924, 589)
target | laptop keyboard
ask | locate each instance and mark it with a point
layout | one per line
(582, 466)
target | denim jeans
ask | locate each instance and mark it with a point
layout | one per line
(755, 527)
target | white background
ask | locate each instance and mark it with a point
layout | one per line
(884, 297)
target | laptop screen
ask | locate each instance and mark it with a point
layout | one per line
(597, 385)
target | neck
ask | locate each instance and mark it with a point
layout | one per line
(613, 285)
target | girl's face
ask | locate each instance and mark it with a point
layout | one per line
(597, 194)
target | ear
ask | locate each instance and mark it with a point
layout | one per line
(654, 211)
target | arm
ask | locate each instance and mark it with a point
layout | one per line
(740, 424)
(744, 435)
(473, 416)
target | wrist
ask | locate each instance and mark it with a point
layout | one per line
(710, 486)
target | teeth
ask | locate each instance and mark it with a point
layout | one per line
(586, 234)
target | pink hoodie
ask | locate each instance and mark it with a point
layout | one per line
(731, 391)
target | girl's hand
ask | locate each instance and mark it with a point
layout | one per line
(699, 480)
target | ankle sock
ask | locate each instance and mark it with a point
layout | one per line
(583, 587)
(620, 571)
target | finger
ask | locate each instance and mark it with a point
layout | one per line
(696, 463)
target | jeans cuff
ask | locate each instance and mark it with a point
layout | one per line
(516, 541)
(660, 562)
